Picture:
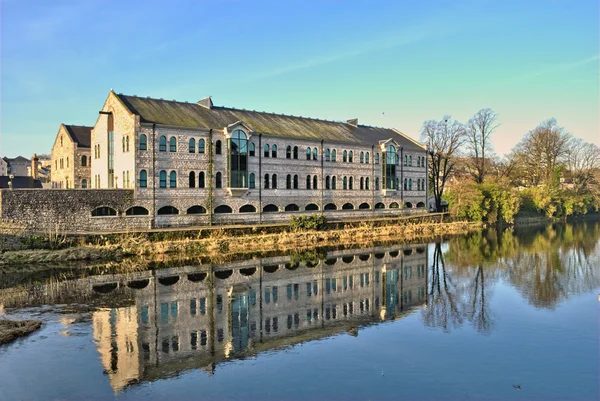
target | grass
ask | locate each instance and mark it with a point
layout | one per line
(10, 330)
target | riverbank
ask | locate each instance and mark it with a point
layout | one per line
(10, 330)
(223, 242)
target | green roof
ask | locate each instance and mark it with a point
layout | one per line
(192, 115)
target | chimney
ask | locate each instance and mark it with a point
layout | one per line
(353, 122)
(34, 166)
(206, 102)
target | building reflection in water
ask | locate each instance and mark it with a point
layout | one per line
(198, 316)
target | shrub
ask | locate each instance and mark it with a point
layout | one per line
(312, 222)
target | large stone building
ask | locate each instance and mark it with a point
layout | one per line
(189, 161)
(70, 160)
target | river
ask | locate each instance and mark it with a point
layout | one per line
(493, 315)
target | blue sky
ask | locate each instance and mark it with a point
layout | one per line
(393, 64)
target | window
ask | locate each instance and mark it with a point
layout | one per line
(308, 180)
(143, 142)
(252, 149)
(123, 144)
(307, 153)
(410, 161)
(218, 147)
(252, 181)
(296, 152)
(266, 181)
(350, 155)
(405, 184)
(345, 183)
(162, 144)
(143, 179)
(351, 183)
(192, 179)
(315, 154)
(163, 179)
(327, 182)
(288, 181)
(367, 158)
(192, 145)
(127, 142)
(333, 154)
(327, 155)
(362, 157)
(83, 161)
(172, 144)
(345, 156)
(274, 181)
(376, 158)
(362, 183)
(266, 150)
(104, 211)
(377, 183)
(201, 183)
(315, 182)
(238, 160)
(405, 160)
(218, 180)
(410, 184)
(288, 152)
(390, 168)
(333, 182)
(274, 151)
(167, 210)
(84, 183)
(201, 146)
(67, 162)
(173, 179)
(367, 183)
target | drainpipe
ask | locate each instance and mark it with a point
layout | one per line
(260, 181)
(322, 176)
(153, 221)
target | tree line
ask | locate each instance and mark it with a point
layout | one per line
(549, 172)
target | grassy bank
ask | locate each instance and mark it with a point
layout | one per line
(222, 242)
(10, 330)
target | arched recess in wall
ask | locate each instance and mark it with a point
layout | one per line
(348, 259)
(223, 209)
(292, 207)
(137, 211)
(379, 205)
(347, 206)
(408, 205)
(364, 256)
(394, 254)
(394, 205)
(270, 208)
(167, 281)
(167, 210)
(421, 204)
(247, 209)
(331, 261)
(270, 268)
(196, 209)
(104, 211)
(311, 206)
(248, 271)
(407, 252)
(364, 206)
(379, 255)
(330, 206)
(223, 274)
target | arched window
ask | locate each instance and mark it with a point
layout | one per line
(405, 160)
(295, 152)
(350, 157)
(223, 209)
(307, 153)
(274, 151)
(288, 152)
(345, 156)
(201, 146)
(394, 205)
(376, 183)
(197, 209)
(218, 180)
(379, 206)
(136, 211)
(192, 179)
(144, 179)
(270, 208)
(84, 183)
(67, 162)
(327, 155)
(295, 181)
(247, 209)
(367, 158)
(351, 183)
(410, 184)
(418, 161)
(330, 206)
(252, 181)
(163, 179)
(166, 210)
(311, 206)
(362, 183)
(127, 142)
(345, 183)
(315, 154)
(364, 206)
(172, 144)
(315, 182)
(83, 161)
(347, 206)
(266, 181)
(333, 182)
(143, 142)
(410, 161)
(274, 181)
(238, 160)
(367, 183)
(390, 168)
(123, 144)
(266, 150)
(308, 181)
(362, 157)
(292, 207)
(288, 181)
(376, 158)
(162, 143)
(327, 182)
(104, 211)
(333, 153)
(201, 183)
(192, 145)
(252, 149)
(218, 148)
(405, 184)
(173, 179)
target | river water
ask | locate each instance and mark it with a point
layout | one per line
(492, 315)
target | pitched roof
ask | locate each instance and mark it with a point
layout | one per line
(16, 159)
(182, 114)
(20, 182)
(80, 134)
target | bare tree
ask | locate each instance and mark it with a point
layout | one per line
(583, 162)
(443, 139)
(541, 151)
(478, 141)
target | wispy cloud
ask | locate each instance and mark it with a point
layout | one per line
(553, 69)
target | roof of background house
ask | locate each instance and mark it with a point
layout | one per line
(16, 159)
(182, 114)
(80, 134)
(20, 181)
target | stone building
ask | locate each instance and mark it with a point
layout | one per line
(196, 163)
(70, 160)
(18, 166)
(3, 167)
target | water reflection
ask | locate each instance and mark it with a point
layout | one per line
(196, 317)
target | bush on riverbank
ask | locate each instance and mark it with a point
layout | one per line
(10, 330)
(304, 222)
(490, 202)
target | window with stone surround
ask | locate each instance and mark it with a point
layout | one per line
(333, 155)
(296, 152)
(218, 180)
(315, 154)
(252, 181)
(218, 147)
(288, 152)
(162, 143)
(367, 158)
(201, 145)
(362, 157)
(192, 179)
(308, 151)
(143, 179)
(201, 183)
(84, 161)
(172, 144)
(192, 145)
(173, 179)
(350, 157)
(327, 154)
(345, 156)
(274, 151)
(163, 179)
(143, 145)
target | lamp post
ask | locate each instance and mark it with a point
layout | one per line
(10, 182)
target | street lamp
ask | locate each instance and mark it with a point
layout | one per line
(10, 182)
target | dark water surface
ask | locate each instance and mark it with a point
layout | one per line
(507, 316)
